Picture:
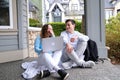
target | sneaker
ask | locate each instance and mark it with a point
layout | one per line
(88, 64)
(67, 65)
(44, 73)
(64, 75)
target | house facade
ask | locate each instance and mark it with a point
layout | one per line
(60, 10)
(14, 23)
(35, 10)
(13, 30)
(74, 9)
(112, 7)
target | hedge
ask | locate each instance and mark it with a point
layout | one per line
(34, 23)
(113, 37)
(58, 27)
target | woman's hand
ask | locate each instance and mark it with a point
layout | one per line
(50, 30)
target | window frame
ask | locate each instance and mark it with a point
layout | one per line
(74, 7)
(10, 16)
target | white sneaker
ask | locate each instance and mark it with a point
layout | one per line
(88, 64)
(67, 65)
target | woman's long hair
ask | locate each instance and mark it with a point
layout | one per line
(44, 32)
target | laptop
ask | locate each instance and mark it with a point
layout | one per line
(52, 44)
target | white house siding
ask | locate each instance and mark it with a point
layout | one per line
(79, 18)
(108, 13)
(117, 6)
(111, 9)
(73, 2)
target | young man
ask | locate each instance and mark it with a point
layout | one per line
(75, 44)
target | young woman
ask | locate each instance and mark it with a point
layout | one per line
(48, 59)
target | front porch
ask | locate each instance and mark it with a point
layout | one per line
(102, 71)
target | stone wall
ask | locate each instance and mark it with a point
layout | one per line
(32, 33)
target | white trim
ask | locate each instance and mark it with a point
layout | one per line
(4, 33)
(59, 5)
(8, 56)
(65, 1)
(11, 17)
(34, 29)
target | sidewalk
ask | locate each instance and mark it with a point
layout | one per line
(102, 71)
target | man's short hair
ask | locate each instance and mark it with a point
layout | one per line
(71, 20)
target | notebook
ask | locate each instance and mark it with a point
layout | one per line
(52, 44)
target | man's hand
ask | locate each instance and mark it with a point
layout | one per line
(69, 48)
(73, 38)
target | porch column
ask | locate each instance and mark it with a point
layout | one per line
(63, 16)
(95, 24)
(50, 17)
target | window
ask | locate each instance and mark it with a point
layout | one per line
(6, 14)
(118, 11)
(57, 12)
(57, 15)
(57, 19)
(108, 14)
(74, 7)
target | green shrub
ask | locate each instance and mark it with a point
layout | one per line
(34, 23)
(58, 27)
(78, 26)
(113, 37)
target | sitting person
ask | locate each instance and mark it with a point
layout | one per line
(46, 62)
(75, 44)
(48, 59)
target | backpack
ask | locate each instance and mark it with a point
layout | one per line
(91, 52)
